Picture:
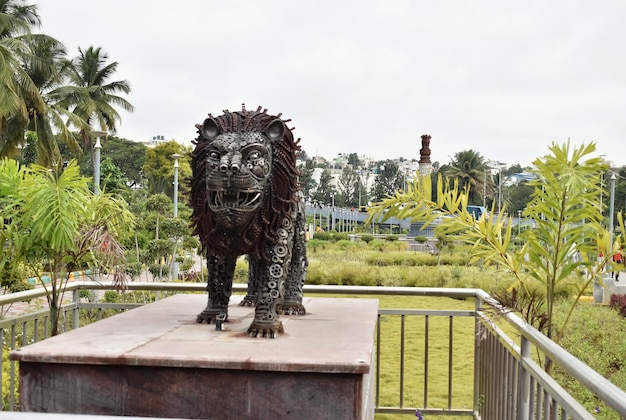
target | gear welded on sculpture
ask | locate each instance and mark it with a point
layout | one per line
(246, 200)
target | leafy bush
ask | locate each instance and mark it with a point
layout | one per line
(133, 270)
(587, 337)
(6, 378)
(331, 236)
(159, 271)
(316, 244)
(111, 296)
(321, 236)
(346, 245)
(367, 238)
(391, 238)
(241, 271)
(413, 259)
(377, 245)
(420, 239)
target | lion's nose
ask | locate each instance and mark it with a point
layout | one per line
(235, 163)
(230, 161)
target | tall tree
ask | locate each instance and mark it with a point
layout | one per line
(469, 167)
(307, 182)
(33, 70)
(18, 93)
(353, 159)
(389, 180)
(159, 167)
(129, 156)
(91, 95)
(325, 191)
(52, 126)
(518, 197)
(112, 177)
(348, 186)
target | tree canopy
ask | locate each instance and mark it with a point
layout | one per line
(44, 92)
(159, 167)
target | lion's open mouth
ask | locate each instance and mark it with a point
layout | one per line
(234, 199)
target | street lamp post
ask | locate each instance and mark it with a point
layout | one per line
(485, 187)
(519, 222)
(96, 177)
(175, 156)
(611, 212)
(500, 190)
(96, 160)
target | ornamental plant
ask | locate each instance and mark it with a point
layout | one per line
(50, 217)
(568, 241)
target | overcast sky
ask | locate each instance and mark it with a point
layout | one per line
(503, 78)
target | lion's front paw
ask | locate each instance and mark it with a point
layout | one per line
(265, 329)
(211, 317)
(248, 301)
(291, 309)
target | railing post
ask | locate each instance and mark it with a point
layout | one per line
(523, 384)
(477, 308)
(75, 312)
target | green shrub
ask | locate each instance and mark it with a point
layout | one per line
(159, 271)
(391, 238)
(111, 296)
(420, 239)
(586, 338)
(241, 271)
(316, 244)
(367, 238)
(346, 245)
(6, 378)
(86, 294)
(377, 245)
(322, 236)
(456, 272)
(133, 270)
(340, 236)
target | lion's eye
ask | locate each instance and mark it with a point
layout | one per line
(254, 155)
(214, 155)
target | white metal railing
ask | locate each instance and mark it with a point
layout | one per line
(507, 382)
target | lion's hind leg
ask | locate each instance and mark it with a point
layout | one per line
(296, 276)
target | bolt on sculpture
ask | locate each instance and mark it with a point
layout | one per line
(246, 200)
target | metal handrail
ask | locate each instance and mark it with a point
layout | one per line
(612, 395)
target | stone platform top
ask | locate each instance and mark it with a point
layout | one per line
(335, 336)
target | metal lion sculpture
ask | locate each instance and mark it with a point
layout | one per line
(246, 200)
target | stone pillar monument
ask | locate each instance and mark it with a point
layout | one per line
(425, 167)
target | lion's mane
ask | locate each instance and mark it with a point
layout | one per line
(278, 200)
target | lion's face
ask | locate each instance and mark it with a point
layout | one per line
(238, 168)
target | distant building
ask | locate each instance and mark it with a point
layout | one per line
(155, 141)
(520, 177)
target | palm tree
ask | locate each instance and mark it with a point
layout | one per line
(47, 68)
(91, 96)
(34, 65)
(18, 94)
(469, 167)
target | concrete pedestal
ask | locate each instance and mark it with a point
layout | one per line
(156, 361)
